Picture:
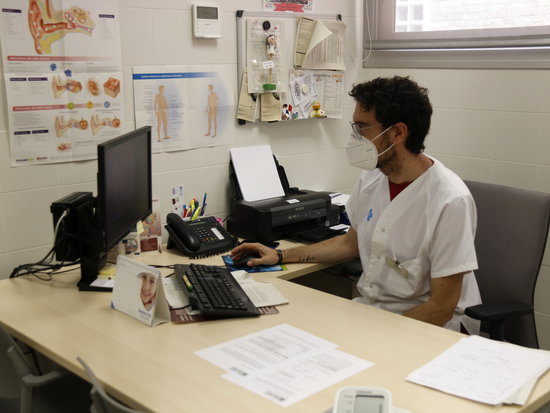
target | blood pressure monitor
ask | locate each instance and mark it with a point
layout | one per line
(362, 400)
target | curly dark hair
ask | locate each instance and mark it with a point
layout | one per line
(397, 99)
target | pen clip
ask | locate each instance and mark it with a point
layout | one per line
(396, 265)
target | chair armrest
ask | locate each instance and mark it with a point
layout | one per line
(26, 374)
(498, 311)
(32, 380)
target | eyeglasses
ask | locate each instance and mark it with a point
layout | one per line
(359, 129)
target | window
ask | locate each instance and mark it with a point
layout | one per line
(458, 33)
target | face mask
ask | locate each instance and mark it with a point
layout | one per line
(362, 152)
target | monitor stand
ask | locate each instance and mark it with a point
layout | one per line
(89, 270)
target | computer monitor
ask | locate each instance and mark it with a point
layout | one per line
(124, 187)
(124, 197)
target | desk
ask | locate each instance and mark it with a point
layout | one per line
(155, 369)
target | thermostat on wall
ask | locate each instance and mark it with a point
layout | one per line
(206, 22)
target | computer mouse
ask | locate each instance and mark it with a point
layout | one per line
(242, 261)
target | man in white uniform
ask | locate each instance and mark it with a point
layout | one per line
(413, 221)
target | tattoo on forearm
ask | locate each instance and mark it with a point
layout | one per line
(308, 258)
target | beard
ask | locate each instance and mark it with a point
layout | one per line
(388, 163)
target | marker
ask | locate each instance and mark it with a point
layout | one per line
(196, 214)
(187, 282)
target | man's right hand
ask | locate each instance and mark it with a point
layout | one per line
(266, 255)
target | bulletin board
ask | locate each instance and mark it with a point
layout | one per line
(271, 87)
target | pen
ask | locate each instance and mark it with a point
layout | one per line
(187, 282)
(204, 199)
(203, 204)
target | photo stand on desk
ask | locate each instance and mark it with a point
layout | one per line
(139, 292)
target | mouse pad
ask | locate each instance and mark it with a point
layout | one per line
(258, 268)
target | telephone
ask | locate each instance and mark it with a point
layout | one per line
(199, 238)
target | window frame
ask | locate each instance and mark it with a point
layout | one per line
(528, 49)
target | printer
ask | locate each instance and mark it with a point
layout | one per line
(300, 214)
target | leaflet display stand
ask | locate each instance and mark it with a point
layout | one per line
(139, 292)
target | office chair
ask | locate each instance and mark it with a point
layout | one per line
(512, 230)
(18, 376)
(101, 401)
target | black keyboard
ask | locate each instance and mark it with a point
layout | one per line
(214, 292)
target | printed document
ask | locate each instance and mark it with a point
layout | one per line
(483, 370)
(283, 364)
(319, 44)
(309, 86)
(262, 294)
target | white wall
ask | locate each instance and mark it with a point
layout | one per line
(155, 32)
(488, 125)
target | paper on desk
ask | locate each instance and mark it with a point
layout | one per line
(262, 294)
(103, 283)
(254, 352)
(483, 370)
(339, 199)
(256, 172)
(302, 376)
(520, 397)
(175, 295)
(283, 363)
(339, 227)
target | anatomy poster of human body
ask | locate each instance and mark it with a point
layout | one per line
(63, 72)
(186, 106)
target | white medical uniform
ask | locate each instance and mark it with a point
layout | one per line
(426, 232)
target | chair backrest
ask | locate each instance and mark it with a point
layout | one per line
(102, 402)
(512, 230)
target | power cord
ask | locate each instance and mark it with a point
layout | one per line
(45, 268)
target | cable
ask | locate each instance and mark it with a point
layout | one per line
(368, 33)
(61, 218)
(45, 266)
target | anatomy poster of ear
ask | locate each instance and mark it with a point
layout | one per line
(187, 107)
(63, 69)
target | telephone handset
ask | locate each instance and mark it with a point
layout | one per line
(199, 238)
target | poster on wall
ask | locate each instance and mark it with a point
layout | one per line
(187, 106)
(317, 93)
(63, 76)
(296, 6)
